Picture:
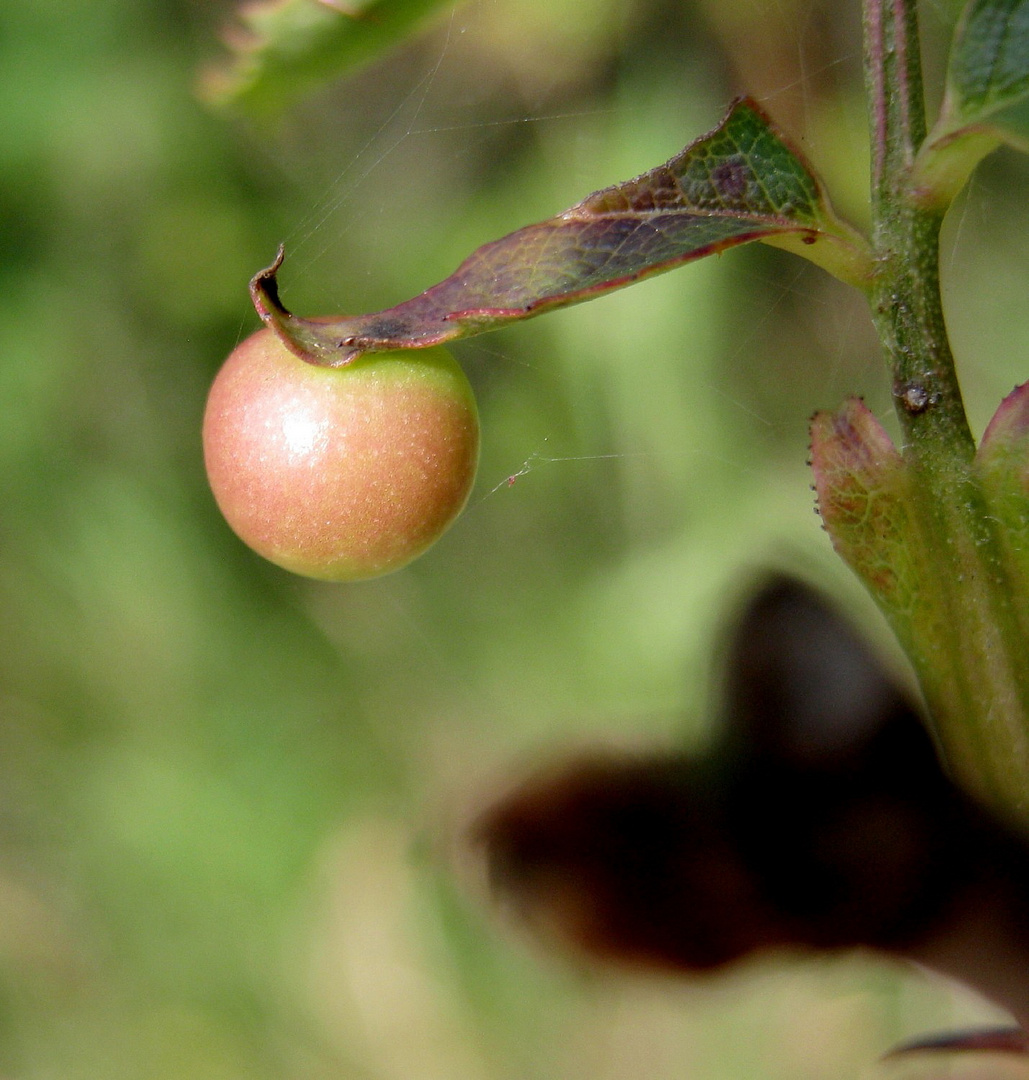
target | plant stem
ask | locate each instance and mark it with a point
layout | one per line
(906, 292)
(972, 673)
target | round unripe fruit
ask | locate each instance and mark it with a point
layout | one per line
(340, 473)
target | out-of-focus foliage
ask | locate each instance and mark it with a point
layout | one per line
(282, 48)
(227, 796)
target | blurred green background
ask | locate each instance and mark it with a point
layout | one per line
(232, 801)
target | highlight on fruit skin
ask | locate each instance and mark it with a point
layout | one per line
(340, 473)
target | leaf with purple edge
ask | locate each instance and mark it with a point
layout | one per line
(739, 183)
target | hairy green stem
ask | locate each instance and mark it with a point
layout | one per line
(906, 290)
(973, 672)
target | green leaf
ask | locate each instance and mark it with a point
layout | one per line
(741, 182)
(987, 97)
(989, 62)
(1002, 464)
(287, 48)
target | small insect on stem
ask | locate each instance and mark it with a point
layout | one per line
(914, 397)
